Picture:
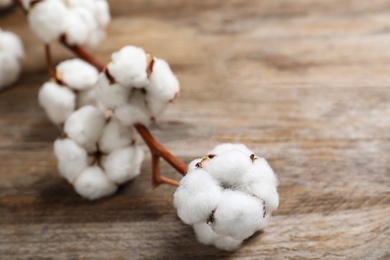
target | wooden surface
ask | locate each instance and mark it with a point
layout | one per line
(305, 84)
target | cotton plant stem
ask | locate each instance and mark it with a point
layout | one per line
(49, 62)
(157, 150)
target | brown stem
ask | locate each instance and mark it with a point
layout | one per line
(49, 63)
(83, 54)
(157, 151)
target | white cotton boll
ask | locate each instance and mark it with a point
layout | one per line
(86, 97)
(9, 69)
(228, 166)
(123, 164)
(11, 44)
(95, 37)
(57, 101)
(77, 74)
(196, 197)
(115, 136)
(47, 18)
(109, 95)
(206, 235)
(228, 146)
(238, 215)
(84, 126)
(72, 159)
(162, 88)
(102, 13)
(129, 66)
(79, 25)
(94, 184)
(134, 111)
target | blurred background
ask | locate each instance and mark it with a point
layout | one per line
(305, 84)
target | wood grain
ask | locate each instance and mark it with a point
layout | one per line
(305, 84)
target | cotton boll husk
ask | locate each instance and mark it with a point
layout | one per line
(115, 135)
(162, 88)
(238, 215)
(11, 43)
(9, 69)
(196, 197)
(58, 102)
(103, 16)
(228, 166)
(192, 164)
(109, 95)
(123, 164)
(85, 126)
(47, 18)
(207, 236)
(134, 111)
(79, 25)
(72, 159)
(94, 184)
(128, 67)
(86, 97)
(228, 146)
(78, 74)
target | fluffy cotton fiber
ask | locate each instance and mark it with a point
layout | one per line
(227, 196)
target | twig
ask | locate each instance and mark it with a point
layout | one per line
(49, 62)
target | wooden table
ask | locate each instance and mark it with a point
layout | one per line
(306, 84)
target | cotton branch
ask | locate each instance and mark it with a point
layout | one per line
(157, 150)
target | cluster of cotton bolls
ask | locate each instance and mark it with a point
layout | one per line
(136, 86)
(72, 87)
(81, 22)
(99, 148)
(11, 55)
(97, 153)
(227, 196)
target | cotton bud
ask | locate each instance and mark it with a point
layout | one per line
(115, 136)
(135, 111)
(162, 89)
(85, 126)
(77, 74)
(47, 19)
(57, 101)
(72, 158)
(227, 196)
(110, 95)
(79, 25)
(11, 55)
(128, 67)
(94, 184)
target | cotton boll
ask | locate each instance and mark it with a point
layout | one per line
(72, 159)
(58, 102)
(162, 88)
(228, 146)
(94, 184)
(9, 69)
(192, 165)
(123, 164)
(268, 193)
(128, 67)
(79, 25)
(95, 37)
(84, 126)
(135, 111)
(47, 18)
(238, 215)
(11, 44)
(196, 197)
(77, 74)
(228, 166)
(206, 235)
(109, 95)
(102, 13)
(115, 136)
(86, 97)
